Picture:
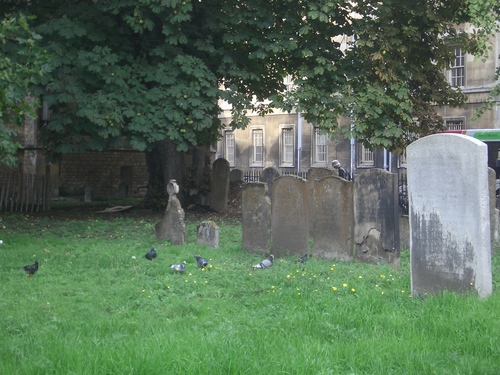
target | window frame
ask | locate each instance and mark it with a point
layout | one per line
(457, 71)
(315, 135)
(461, 119)
(284, 129)
(227, 146)
(253, 131)
(365, 162)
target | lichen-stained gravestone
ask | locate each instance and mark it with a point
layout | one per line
(449, 215)
(376, 217)
(208, 234)
(290, 216)
(219, 191)
(332, 218)
(172, 224)
(256, 217)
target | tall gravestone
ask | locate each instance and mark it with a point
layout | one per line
(376, 217)
(219, 192)
(449, 215)
(332, 218)
(290, 216)
(256, 217)
(172, 224)
(314, 174)
(268, 175)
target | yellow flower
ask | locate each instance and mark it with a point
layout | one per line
(382, 293)
(360, 277)
(382, 276)
(334, 288)
(331, 269)
(190, 274)
(376, 285)
(194, 281)
(402, 291)
(353, 290)
(186, 280)
(206, 282)
(344, 285)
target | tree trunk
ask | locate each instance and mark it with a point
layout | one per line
(165, 163)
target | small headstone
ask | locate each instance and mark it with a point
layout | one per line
(268, 175)
(256, 217)
(208, 234)
(448, 188)
(219, 192)
(376, 217)
(332, 218)
(290, 216)
(236, 175)
(172, 224)
(88, 194)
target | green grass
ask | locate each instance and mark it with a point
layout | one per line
(92, 309)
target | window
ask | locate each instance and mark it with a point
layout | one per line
(320, 153)
(287, 145)
(455, 123)
(367, 157)
(229, 147)
(257, 148)
(457, 73)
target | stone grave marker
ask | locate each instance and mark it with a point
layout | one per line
(290, 216)
(376, 217)
(219, 191)
(172, 224)
(332, 218)
(268, 175)
(208, 234)
(314, 174)
(236, 175)
(256, 217)
(449, 216)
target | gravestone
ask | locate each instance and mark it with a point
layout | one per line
(290, 216)
(494, 219)
(332, 218)
(449, 197)
(208, 234)
(219, 191)
(172, 224)
(314, 174)
(236, 175)
(268, 175)
(256, 217)
(376, 217)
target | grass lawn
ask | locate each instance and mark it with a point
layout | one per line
(92, 309)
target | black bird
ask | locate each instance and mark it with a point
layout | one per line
(151, 254)
(302, 259)
(202, 262)
(31, 268)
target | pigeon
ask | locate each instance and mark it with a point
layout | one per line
(266, 263)
(31, 268)
(202, 262)
(302, 259)
(151, 254)
(179, 268)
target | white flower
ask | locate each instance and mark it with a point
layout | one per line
(133, 257)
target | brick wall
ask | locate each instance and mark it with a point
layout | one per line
(109, 173)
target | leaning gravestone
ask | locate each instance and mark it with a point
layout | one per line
(268, 175)
(256, 217)
(376, 217)
(332, 218)
(208, 234)
(219, 191)
(172, 224)
(290, 216)
(449, 215)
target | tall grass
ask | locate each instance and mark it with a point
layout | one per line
(92, 309)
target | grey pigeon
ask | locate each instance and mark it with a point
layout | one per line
(179, 268)
(266, 263)
(151, 254)
(303, 258)
(31, 268)
(202, 262)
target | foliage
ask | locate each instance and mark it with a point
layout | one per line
(21, 65)
(156, 69)
(92, 308)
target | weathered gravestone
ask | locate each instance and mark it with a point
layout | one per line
(172, 224)
(290, 216)
(332, 218)
(256, 217)
(219, 191)
(268, 175)
(236, 175)
(376, 217)
(314, 174)
(208, 234)
(449, 215)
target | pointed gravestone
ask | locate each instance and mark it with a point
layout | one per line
(290, 216)
(219, 191)
(172, 224)
(449, 215)
(256, 217)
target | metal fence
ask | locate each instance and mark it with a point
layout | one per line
(253, 175)
(21, 192)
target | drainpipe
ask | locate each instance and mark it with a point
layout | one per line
(353, 149)
(299, 140)
(385, 159)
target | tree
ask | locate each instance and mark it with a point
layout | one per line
(152, 72)
(21, 65)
